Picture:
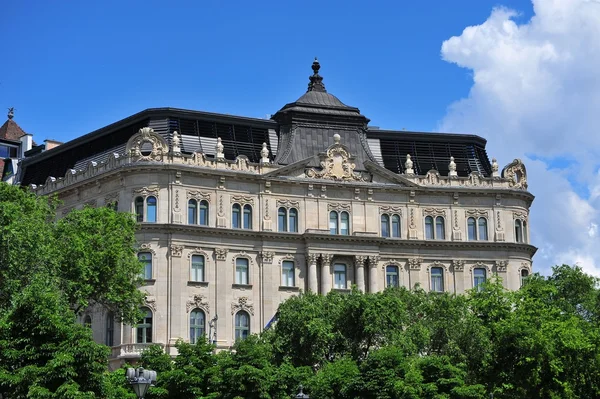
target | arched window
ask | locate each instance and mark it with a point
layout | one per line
(471, 229)
(518, 230)
(440, 231)
(429, 228)
(333, 222)
(146, 259)
(385, 226)
(437, 279)
(139, 209)
(151, 209)
(524, 275)
(395, 226)
(88, 321)
(197, 268)
(339, 276)
(144, 328)
(241, 271)
(282, 219)
(479, 276)
(236, 216)
(204, 213)
(293, 221)
(192, 211)
(197, 321)
(482, 229)
(110, 329)
(242, 325)
(391, 276)
(287, 274)
(247, 217)
(345, 224)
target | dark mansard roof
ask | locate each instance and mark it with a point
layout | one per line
(299, 130)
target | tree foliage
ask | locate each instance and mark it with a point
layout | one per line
(542, 341)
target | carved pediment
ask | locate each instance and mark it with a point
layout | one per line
(336, 164)
(516, 173)
(147, 145)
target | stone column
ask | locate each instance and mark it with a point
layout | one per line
(311, 260)
(373, 277)
(359, 269)
(325, 273)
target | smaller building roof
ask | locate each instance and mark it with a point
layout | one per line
(10, 130)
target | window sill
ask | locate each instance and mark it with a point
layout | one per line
(149, 281)
(198, 283)
(342, 290)
(288, 288)
(242, 286)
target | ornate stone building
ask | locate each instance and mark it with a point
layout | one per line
(238, 214)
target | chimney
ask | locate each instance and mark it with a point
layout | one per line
(50, 144)
(26, 144)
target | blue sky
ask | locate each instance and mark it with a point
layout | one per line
(73, 67)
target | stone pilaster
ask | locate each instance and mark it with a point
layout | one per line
(325, 273)
(359, 269)
(373, 275)
(311, 259)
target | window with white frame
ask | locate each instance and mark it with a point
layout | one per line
(287, 220)
(144, 328)
(145, 209)
(146, 259)
(287, 274)
(197, 325)
(437, 279)
(435, 228)
(390, 225)
(197, 268)
(392, 276)
(242, 325)
(339, 223)
(339, 276)
(198, 212)
(477, 229)
(241, 271)
(479, 276)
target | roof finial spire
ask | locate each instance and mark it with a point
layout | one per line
(316, 80)
(11, 112)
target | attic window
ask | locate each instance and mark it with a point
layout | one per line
(146, 148)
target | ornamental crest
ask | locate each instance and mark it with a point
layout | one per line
(516, 173)
(147, 145)
(242, 303)
(336, 164)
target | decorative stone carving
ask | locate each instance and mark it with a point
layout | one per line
(219, 155)
(415, 263)
(477, 212)
(482, 265)
(501, 265)
(176, 250)
(458, 265)
(242, 199)
(198, 302)
(145, 247)
(433, 178)
(198, 251)
(268, 187)
(357, 194)
(408, 166)
(221, 184)
(452, 168)
(111, 198)
(198, 195)
(525, 266)
(434, 212)
(151, 303)
(241, 163)
(221, 253)
(390, 210)
(267, 257)
(147, 145)
(336, 164)
(221, 220)
(437, 263)
(412, 227)
(359, 260)
(456, 232)
(499, 229)
(175, 143)
(520, 215)
(374, 260)
(516, 173)
(495, 172)
(242, 303)
(288, 204)
(146, 191)
(312, 257)
(264, 154)
(338, 207)
(326, 259)
(286, 257)
(475, 179)
(267, 222)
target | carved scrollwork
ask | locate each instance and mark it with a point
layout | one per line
(415, 263)
(147, 145)
(286, 257)
(198, 251)
(326, 259)
(477, 212)
(336, 164)
(434, 212)
(176, 250)
(287, 204)
(146, 191)
(516, 174)
(198, 195)
(374, 260)
(476, 265)
(359, 260)
(147, 248)
(458, 265)
(267, 257)
(520, 215)
(242, 199)
(390, 209)
(221, 253)
(338, 207)
(111, 198)
(242, 303)
(437, 263)
(501, 265)
(150, 302)
(312, 258)
(198, 302)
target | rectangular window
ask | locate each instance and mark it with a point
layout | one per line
(287, 274)
(437, 279)
(339, 276)
(478, 277)
(241, 271)
(391, 275)
(197, 268)
(146, 259)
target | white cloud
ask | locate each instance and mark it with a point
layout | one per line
(536, 96)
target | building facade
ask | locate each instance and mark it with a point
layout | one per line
(238, 214)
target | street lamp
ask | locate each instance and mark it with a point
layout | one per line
(301, 395)
(141, 380)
